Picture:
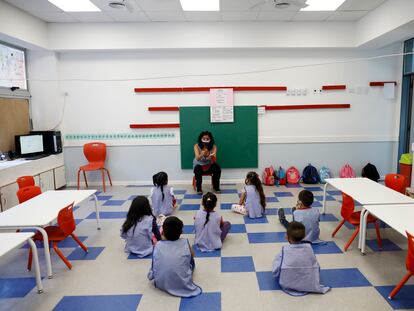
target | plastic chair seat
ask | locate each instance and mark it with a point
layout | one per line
(355, 218)
(93, 166)
(54, 234)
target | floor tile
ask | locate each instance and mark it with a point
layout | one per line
(226, 206)
(69, 242)
(267, 281)
(387, 245)
(267, 237)
(404, 298)
(316, 204)
(329, 247)
(271, 211)
(283, 194)
(108, 215)
(192, 196)
(16, 287)
(177, 191)
(238, 228)
(114, 203)
(261, 220)
(228, 191)
(337, 278)
(320, 198)
(200, 254)
(293, 186)
(313, 188)
(188, 229)
(104, 197)
(271, 200)
(237, 264)
(203, 302)
(79, 253)
(99, 303)
(189, 207)
(328, 217)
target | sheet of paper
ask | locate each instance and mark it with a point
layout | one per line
(221, 105)
(389, 90)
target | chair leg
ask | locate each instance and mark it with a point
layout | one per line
(103, 180)
(351, 239)
(109, 176)
(399, 286)
(79, 179)
(57, 250)
(79, 242)
(29, 260)
(378, 235)
(84, 177)
(338, 227)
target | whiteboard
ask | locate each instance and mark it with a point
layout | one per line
(12, 67)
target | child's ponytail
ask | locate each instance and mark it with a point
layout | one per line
(160, 180)
(254, 179)
(209, 203)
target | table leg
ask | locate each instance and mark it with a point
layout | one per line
(324, 198)
(361, 223)
(97, 212)
(36, 266)
(47, 252)
(363, 238)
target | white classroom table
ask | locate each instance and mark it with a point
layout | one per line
(366, 192)
(398, 216)
(10, 241)
(42, 210)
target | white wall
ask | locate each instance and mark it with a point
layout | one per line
(366, 132)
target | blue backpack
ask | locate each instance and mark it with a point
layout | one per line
(324, 173)
(280, 177)
(310, 175)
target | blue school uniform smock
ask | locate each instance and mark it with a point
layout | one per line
(297, 270)
(309, 217)
(253, 206)
(138, 238)
(159, 205)
(172, 268)
(207, 237)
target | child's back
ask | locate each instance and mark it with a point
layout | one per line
(172, 268)
(207, 236)
(160, 205)
(297, 270)
(309, 217)
(252, 204)
(138, 238)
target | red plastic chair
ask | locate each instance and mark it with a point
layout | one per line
(25, 181)
(409, 263)
(66, 227)
(26, 193)
(213, 159)
(396, 182)
(348, 214)
(95, 153)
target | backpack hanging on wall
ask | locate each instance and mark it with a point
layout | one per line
(280, 177)
(347, 172)
(324, 173)
(310, 175)
(292, 175)
(268, 177)
(370, 171)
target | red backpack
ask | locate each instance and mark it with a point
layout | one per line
(268, 177)
(292, 175)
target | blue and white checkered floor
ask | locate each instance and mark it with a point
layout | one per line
(236, 278)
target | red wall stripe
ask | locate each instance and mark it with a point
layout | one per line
(381, 83)
(207, 89)
(304, 107)
(334, 87)
(163, 108)
(154, 126)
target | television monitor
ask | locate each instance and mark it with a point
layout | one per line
(29, 145)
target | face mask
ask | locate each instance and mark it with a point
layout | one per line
(204, 141)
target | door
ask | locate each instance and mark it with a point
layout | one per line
(60, 177)
(47, 181)
(8, 196)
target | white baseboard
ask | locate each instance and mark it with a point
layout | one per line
(149, 182)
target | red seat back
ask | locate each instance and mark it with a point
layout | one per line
(410, 255)
(348, 206)
(25, 181)
(396, 182)
(95, 152)
(26, 193)
(65, 219)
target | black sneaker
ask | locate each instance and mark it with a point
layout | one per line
(281, 214)
(199, 191)
(217, 190)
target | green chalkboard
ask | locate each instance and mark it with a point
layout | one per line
(237, 142)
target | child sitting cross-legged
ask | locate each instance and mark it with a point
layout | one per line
(295, 268)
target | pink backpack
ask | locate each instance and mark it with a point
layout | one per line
(347, 172)
(292, 175)
(268, 177)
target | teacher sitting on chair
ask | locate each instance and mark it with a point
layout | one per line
(204, 163)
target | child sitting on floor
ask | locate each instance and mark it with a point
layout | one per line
(210, 229)
(296, 269)
(173, 262)
(304, 213)
(252, 201)
(140, 228)
(162, 195)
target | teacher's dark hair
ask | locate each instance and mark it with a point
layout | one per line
(200, 143)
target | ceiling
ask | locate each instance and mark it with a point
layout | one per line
(171, 11)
